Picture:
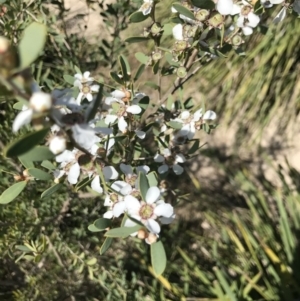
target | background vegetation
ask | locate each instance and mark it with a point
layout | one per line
(236, 236)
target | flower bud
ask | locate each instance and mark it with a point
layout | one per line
(156, 56)
(237, 40)
(57, 145)
(216, 21)
(40, 102)
(181, 72)
(142, 234)
(202, 15)
(156, 29)
(151, 239)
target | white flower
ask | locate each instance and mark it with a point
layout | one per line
(57, 145)
(83, 78)
(146, 7)
(85, 136)
(39, 102)
(69, 166)
(86, 91)
(121, 113)
(168, 161)
(178, 32)
(247, 19)
(147, 212)
(224, 7)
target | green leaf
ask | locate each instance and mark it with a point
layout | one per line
(93, 228)
(155, 67)
(194, 147)
(139, 72)
(96, 104)
(48, 192)
(175, 125)
(137, 17)
(38, 153)
(19, 105)
(69, 79)
(25, 163)
(143, 184)
(136, 39)
(39, 174)
(206, 4)
(105, 246)
(32, 43)
(122, 232)
(81, 184)
(47, 164)
(23, 248)
(158, 257)
(25, 143)
(183, 10)
(169, 58)
(152, 179)
(152, 85)
(12, 192)
(144, 102)
(125, 68)
(102, 223)
(116, 78)
(142, 58)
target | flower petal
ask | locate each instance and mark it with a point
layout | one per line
(152, 226)
(110, 173)
(74, 173)
(95, 185)
(108, 214)
(152, 195)
(119, 208)
(140, 134)
(210, 115)
(224, 7)
(178, 170)
(126, 169)
(23, 118)
(163, 168)
(164, 209)
(133, 205)
(159, 158)
(134, 109)
(167, 220)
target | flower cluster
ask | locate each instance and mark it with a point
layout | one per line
(95, 149)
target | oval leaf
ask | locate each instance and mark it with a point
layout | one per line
(102, 223)
(12, 192)
(39, 174)
(158, 258)
(136, 39)
(141, 57)
(207, 4)
(122, 232)
(51, 190)
(139, 72)
(137, 17)
(38, 153)
(184, 11)
(125, 68)
(143, 184)
(25, 143)
(105, 246)
(32, 43)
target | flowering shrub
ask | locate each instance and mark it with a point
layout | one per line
(120, 142)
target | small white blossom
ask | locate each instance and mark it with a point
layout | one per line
(146, 7)
(147, 212)
(57, 145)
(170, 161)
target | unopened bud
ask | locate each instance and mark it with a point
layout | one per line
(57, 145)
(216, 21)
(202, 15)
(142, 234)
(156, 56)
(25, 173)
(237, 40)
(151, 239)
(40, 102)
(181, 72)
(156, 29)
(180, 45)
